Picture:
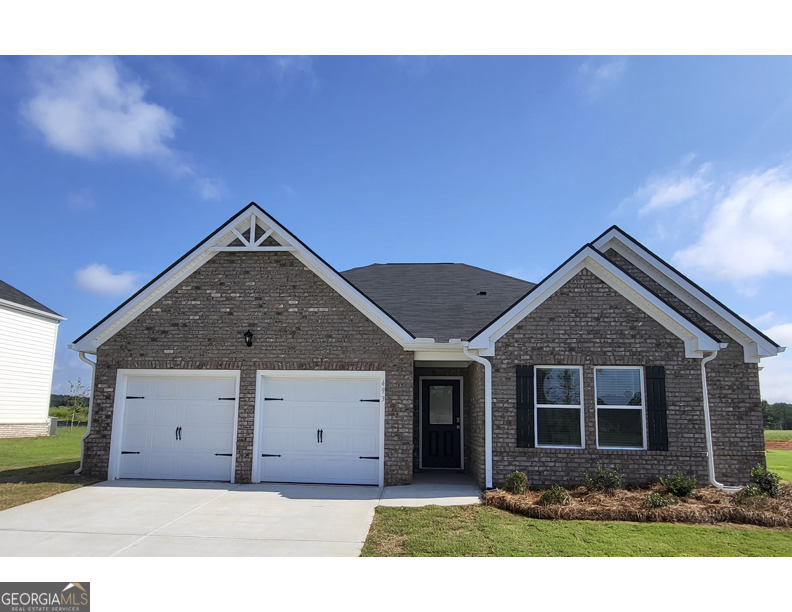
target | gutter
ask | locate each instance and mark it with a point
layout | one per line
(487, 412)
(82, 356)
(708, 427)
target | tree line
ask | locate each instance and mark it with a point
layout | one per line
(777, 416)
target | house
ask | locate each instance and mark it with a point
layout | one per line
(28, 334)
(251, 359)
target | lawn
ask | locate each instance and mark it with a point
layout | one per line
(479, 531)
(778, 434)
(35, 468)
(780, 462)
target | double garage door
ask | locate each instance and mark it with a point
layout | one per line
(309, 427)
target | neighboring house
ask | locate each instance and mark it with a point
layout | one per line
(251, 359)
(28, 334)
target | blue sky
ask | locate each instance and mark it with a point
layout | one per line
(113, 167)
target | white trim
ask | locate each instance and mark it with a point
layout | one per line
(461, 380)
(642, 408)
(219, 241)
(31, 310)
(364, 374)
(579, 407)
(754, 345)
(696, 340)
(119, 408)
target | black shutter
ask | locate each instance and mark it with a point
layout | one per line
(525, 406)
(656, 408)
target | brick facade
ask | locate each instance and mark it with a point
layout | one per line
(298, 322)
(23, 430)
(587, 323)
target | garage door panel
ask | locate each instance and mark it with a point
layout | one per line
(350, 428)
(189, 405)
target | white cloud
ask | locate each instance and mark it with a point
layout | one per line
(665, 192)
(91, 107)
(85, 107)
(765, 319)
(595, 79)
(746, 234)
(99, 279)
(287, 69)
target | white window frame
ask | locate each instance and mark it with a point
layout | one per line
(578, 407)
(642, 407)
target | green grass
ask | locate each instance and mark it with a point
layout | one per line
(780, 462)
(35, 468)
(778, 434)
(480, 531)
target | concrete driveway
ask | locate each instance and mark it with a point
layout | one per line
(132, 518)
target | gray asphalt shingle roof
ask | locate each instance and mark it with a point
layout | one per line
(15, 296)
(440, 301)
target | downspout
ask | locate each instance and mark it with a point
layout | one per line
(708, 426)
(90, 410)
(487, 413)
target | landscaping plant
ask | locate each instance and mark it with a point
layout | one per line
(555, 495)
(605, 479)
(678, 484)
(516, 482)
(766, 481)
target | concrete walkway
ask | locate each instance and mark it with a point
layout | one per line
(172, 518)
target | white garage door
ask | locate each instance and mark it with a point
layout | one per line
(319, 430)
(178, 427)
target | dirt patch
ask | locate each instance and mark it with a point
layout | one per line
(778, 444)
(704, 506)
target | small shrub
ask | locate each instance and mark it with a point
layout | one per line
(678, 484)
(750, 493)
(555, 495)
(766, 481)
(516, 482)
(658, 500)
(605, 479)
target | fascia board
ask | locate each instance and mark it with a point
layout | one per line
(695, 339)
(202, 253)
(704, 304)
(33, 311)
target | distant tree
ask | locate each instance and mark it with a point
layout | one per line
(78, 397)
(777, 416)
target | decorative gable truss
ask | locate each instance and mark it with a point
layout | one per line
(755, 344)
(250, 230)
(696, 340)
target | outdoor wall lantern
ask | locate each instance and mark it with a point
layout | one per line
(248, 338)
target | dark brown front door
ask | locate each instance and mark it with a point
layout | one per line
(440, 424)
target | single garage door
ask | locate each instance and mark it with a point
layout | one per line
(178, 427)
(319, 430)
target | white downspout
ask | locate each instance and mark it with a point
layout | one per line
(487, 413)
(90, 409)
(708, 426)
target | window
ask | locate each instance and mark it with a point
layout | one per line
(620, 407)
(559, 406)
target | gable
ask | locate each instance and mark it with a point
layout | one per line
(251, 230)
(668, 281)
(695, 340)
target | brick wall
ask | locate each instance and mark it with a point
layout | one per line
(474, 423)
(733, 389)
(23, 430)
(298, 322)
(587, 323)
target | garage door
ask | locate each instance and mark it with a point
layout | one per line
(319, 430)
(178, 427)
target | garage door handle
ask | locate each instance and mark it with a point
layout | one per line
(376, 400)
(319, 435)
(267, 455)
(178, 433)
(130, 452)
(368, 457)
(222, 454)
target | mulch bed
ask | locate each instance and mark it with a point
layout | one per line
(778, 444)
(708, 506)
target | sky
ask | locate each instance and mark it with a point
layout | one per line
(113, 167)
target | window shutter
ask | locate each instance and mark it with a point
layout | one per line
(656, 408)
(525, 406)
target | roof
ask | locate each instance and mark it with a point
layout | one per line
(15, 296)
(438, 300)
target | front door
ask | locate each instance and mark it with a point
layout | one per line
(441, 425)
